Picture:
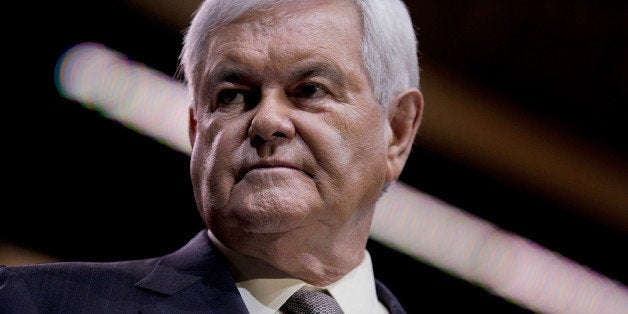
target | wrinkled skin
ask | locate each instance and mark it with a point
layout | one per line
(290, 147)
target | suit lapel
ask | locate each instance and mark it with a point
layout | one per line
(388, 299)
(167, 281)
(193, 279)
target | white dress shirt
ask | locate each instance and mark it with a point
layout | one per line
(355, 292)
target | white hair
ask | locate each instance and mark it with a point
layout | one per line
(389, 44)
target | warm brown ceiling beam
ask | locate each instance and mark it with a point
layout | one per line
(13, 255)
(176, 14)
(492, 133)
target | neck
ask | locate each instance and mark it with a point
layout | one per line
(305, 255)
(244, 267)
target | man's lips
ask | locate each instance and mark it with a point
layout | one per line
(270, 164)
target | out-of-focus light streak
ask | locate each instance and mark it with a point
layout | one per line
(502, 262)
(141, 98)
(406, 219)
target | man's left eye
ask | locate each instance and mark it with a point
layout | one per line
(309, 91)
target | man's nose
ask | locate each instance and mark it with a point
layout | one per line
(272, 119)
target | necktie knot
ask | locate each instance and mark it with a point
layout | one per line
(311, 302)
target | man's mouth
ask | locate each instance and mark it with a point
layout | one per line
(269, 165)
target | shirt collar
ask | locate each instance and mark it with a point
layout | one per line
(355, 292)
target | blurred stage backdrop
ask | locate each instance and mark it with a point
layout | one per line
(524, 127)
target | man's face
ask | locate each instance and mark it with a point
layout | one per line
(288, 139)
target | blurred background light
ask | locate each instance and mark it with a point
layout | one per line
(143, 99)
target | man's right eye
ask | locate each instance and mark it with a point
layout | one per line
(231, 97)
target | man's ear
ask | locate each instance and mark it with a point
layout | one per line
(404, 116)
(191, 126)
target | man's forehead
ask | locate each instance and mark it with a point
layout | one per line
(308, 13)
(315, 41)
(311, 33)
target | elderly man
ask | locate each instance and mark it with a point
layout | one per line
(302, 112)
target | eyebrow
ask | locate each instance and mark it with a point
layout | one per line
(238, 75)
(231, 75)
(317, 69)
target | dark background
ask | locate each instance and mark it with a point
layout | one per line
(81, 187)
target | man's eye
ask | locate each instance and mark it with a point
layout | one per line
(231, 97)
(310, 91)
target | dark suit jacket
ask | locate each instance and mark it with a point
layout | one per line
(194, 279)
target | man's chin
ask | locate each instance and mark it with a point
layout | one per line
(275, 209)
(267, 221)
